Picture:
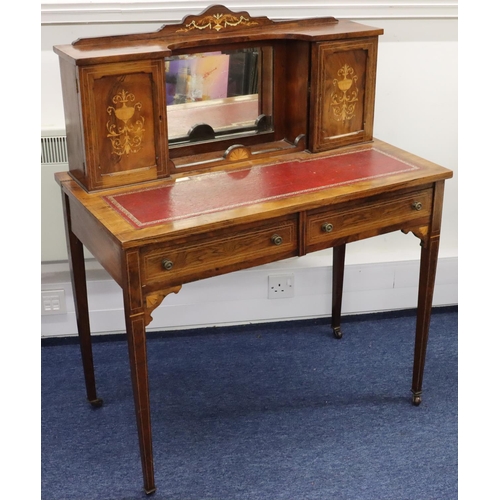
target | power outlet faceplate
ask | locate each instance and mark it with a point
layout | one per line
(280, 287)
(53, 302)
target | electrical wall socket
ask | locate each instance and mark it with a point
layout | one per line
(280, 287)
(53, 302)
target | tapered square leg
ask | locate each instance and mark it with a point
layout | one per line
(428, 266)
(79, 284)
(135, 320)
(136, 338)
(337, 288)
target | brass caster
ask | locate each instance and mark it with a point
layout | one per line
(96, 403)
(417, 399)
(337, 333)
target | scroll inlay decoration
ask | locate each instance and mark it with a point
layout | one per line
(344, 100)
(218, 22)
(126, 125)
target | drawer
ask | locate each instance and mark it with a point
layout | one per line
(212, 253)
(376, 216)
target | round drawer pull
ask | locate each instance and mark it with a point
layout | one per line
(417, 205)
(327, 227)
(167, 264)
(276, 239)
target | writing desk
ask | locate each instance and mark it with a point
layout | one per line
(154, 237)
(223, 142)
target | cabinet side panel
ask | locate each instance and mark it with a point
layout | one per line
(72, 114)
(297, 88)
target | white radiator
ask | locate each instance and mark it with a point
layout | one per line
(54, 150)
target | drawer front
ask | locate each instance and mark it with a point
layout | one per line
(327, 225)
(215, 253)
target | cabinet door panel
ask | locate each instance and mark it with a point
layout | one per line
(125, 130)
(122, 113)
(342, 93)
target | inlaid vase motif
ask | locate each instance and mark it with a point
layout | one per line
(344, 100)
(126, 125)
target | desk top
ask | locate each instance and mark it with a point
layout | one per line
(219, 191)
(255, 191)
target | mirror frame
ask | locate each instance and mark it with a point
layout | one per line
(272, 78)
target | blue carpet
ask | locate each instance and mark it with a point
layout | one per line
(271, 412)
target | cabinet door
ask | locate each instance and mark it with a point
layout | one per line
(342, 93)
(123, 113)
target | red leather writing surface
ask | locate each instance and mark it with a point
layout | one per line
(217, 191)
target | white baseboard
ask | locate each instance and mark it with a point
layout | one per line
(241, 297)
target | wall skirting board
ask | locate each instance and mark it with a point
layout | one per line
(242, 297)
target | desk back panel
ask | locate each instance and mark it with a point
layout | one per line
(115, 94)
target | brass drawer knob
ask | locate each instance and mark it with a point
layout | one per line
(327, 227)
(276, 239)
(417, 205)
(167, 264)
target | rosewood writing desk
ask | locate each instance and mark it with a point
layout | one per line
(289, 167)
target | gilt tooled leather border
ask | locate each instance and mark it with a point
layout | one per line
(224, 190)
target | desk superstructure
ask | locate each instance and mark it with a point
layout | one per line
(225, 142)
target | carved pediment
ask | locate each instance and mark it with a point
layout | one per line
(219, 18)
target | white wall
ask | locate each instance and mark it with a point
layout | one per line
(415, 109)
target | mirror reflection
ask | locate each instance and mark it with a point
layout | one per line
(214, 94)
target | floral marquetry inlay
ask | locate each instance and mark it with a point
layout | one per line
(126, 125)
(218, 22)
(345, 95)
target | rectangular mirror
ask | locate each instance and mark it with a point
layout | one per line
(216, 95)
